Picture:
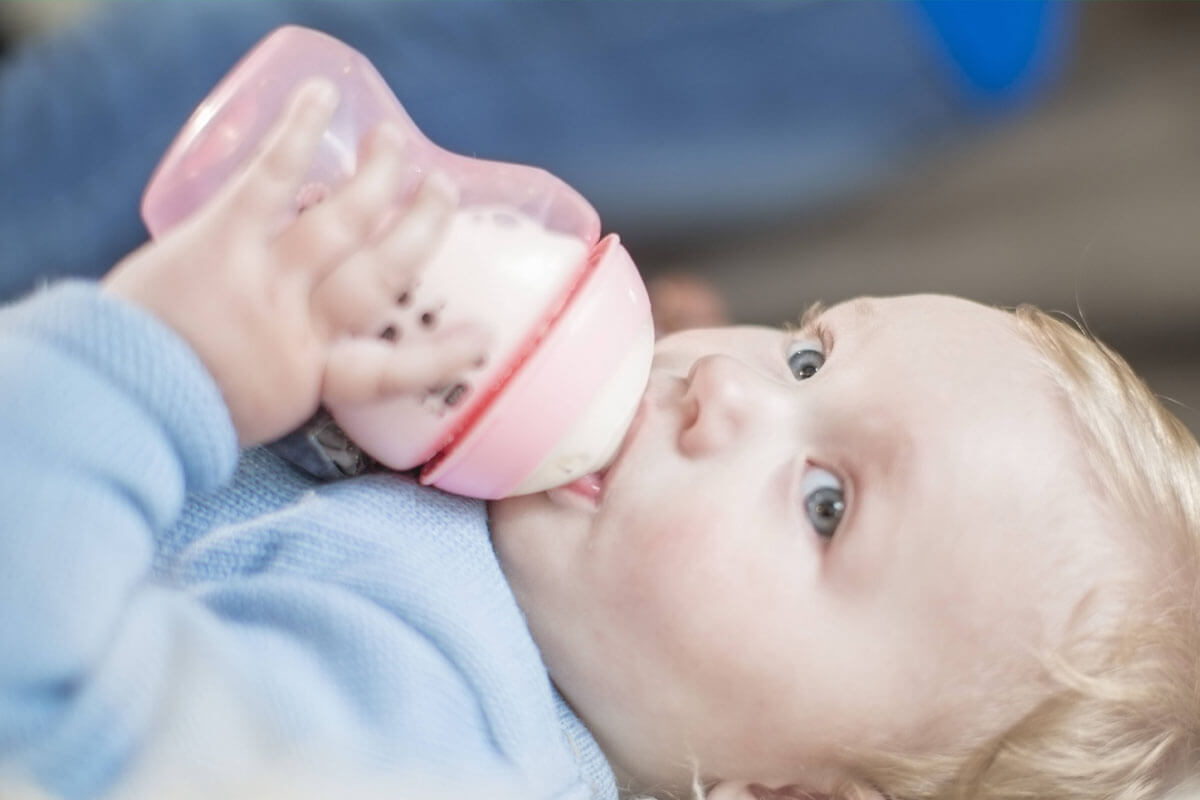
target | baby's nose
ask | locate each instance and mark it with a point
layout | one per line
(730, 404)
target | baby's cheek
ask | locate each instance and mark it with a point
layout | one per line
(675, 548)
(668, 581)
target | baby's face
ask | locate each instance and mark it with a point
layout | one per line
(837, 537)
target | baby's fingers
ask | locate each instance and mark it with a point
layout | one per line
(268, 186)
(329, 233)
(358, 295)
(362, 370)
(412, 238)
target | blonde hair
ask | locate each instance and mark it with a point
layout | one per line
(1122, 721)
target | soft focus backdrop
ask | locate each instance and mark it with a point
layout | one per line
(1088, 202)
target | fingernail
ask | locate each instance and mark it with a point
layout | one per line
(440, 183)
(391, 135)
(323, 93)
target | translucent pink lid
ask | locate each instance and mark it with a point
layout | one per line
(222, 132)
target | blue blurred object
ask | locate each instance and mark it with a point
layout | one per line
(1003, 51)
(677, 121)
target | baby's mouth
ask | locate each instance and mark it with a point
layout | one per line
(583, 493)
(590, 486)
(587, 492)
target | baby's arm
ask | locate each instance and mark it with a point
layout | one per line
(285, 311)
(107, 419)
(117, 675)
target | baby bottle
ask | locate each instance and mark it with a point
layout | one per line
(567, 312)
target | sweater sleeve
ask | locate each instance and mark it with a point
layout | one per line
(305, 633)
(107, 419)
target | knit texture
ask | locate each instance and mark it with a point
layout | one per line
(168, 614)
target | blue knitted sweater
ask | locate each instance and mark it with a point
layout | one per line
(171, 607)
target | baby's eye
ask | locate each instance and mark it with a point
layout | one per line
(824, 502)
(805, 359)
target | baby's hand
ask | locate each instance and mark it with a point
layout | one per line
(287, 312)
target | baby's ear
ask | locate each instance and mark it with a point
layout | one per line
(735, 790)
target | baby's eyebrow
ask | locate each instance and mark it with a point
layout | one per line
(811, 315)
(862, 308)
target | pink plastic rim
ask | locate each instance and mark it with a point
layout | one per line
(606, 316)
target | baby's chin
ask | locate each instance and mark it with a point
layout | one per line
(583, 496)
(539, 545)
(541, 520)
(525, 511)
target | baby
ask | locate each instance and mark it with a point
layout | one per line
(914, 548)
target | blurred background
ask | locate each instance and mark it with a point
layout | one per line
(780, 152)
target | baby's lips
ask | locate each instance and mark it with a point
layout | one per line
(584, 494)
(590, 486)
